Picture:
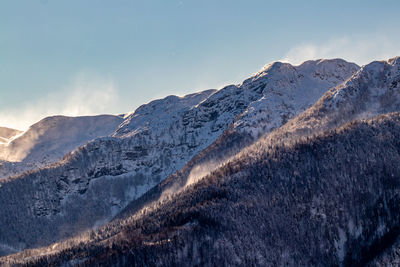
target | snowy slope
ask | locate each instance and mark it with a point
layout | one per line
(97, 180)
(289, 90)
(50, 139)
(158, 114)
(373, 90)
(363, 171)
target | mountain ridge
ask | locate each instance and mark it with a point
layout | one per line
(106, 174)
(324, 115)
(48, 140)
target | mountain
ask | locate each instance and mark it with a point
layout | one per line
(363, 96)
(328, 200)
(96, 181)
(320, 190)
(290, 90)
(373, 90)
(50, 139)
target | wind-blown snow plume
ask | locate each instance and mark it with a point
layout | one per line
(202, 170)
(197, 173)
(16, 155)
(87, 94)
(356, 49)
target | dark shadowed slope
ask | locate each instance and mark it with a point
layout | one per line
(330, 200)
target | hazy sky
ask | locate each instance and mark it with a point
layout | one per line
(77, 57)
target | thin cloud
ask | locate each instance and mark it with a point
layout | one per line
(360, 50)
(87, 94)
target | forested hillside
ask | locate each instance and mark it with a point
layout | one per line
(329, 200)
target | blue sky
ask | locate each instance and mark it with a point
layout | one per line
(76, 57)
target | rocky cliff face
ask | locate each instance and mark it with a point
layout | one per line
(96, 181)
(288, 91)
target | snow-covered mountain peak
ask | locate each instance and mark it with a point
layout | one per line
(158, 112)
(288, 90)
(276, 66)
(378, 67)
(377, 82)
(332, 70)
(323, 62)
(172, 103)
(394, 61)
(373, 69)
(372, 90)
(158, 139)
(274, 70)
(48, 140)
